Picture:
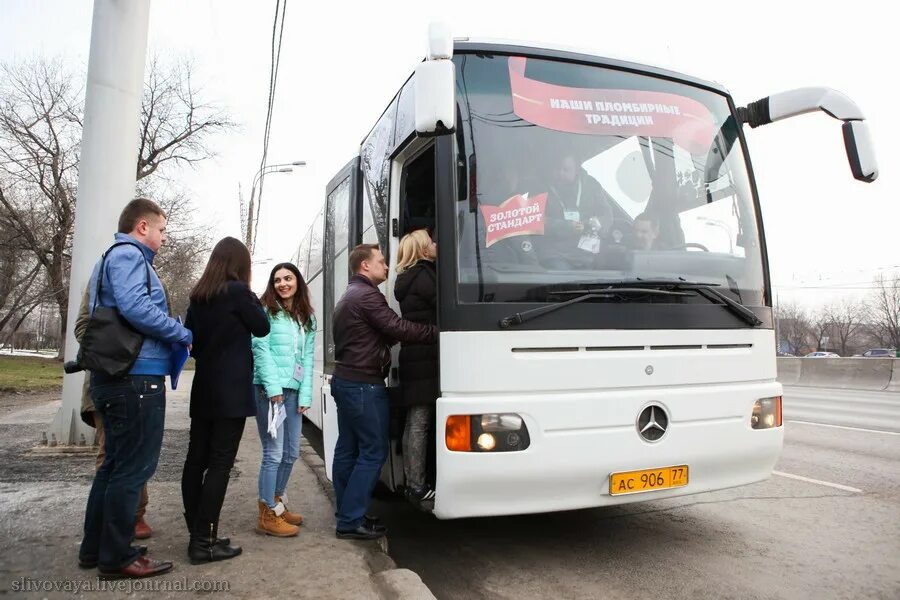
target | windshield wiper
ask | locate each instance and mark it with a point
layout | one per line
(638, 286)
(704, 290)
(522, 317)
(734, 306)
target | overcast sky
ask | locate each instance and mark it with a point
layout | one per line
(340, 66)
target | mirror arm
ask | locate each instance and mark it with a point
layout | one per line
(857, 140)
(797, 102)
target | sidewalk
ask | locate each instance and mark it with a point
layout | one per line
(42, 500)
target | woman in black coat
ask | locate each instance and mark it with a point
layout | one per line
(416, 291)
(223, 314)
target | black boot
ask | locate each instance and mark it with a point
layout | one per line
(220, 541)
(204, 546)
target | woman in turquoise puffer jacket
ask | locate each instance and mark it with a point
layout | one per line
(282, 373)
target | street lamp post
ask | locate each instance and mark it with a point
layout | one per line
(257, 178)
(724, 227)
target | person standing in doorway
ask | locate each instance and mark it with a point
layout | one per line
(283, 370)
(416, 291)
(364, 330)
(223, 316)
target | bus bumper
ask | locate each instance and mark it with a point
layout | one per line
(579, 439)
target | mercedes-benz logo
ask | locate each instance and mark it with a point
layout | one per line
(652, 423)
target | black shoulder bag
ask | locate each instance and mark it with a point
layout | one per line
(110, 344)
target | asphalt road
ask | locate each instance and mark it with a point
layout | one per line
(826, 525)
(856, 408)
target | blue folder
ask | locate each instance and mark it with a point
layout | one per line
(178, 357)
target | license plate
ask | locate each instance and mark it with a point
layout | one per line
(635, 482)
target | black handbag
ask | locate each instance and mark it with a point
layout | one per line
(110, 344)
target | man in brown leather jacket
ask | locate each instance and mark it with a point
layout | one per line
(364, 330)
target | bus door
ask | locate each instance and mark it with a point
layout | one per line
(342, 233)
(412, 206)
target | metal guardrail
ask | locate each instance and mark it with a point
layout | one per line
(849, 392)
(872, 374)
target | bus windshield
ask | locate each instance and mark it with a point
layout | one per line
(576, 174)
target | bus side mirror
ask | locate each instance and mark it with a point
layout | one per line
(435, 85)
(435, 97)
(860, 152)
(857, 140)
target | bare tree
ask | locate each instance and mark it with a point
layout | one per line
(181, 259)
(846, 320)
(884, 310)
(794, 327)
(820, 324)
(22, 282)
(40, 138)
(175, 122)
(41, 111)
(18, 271)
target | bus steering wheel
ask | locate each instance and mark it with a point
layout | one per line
(687, 245)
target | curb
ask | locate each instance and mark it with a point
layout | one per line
(391, 582)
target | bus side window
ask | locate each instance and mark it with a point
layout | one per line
(302, 259)
(315, 246)
(369, 233)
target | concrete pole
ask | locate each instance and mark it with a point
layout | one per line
(107, 169)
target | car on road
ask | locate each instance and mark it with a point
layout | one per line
(822, 355)
(879, 353)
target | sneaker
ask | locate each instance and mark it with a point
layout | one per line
(420, 494)
(421, 497)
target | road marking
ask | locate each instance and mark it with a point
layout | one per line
(846, 488)
(845, 427)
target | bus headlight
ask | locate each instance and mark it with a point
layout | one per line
(493, 432)
(486, 441)
(766, 413)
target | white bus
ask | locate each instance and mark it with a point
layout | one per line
(587, 358)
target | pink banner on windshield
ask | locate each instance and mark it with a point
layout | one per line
(610, 112)
(519, 215)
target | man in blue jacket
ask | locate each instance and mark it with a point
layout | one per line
(133, 406)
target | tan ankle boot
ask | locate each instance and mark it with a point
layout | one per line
(271, 522)
(290, 517)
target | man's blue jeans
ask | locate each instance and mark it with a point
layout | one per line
(279, 454)
(134, 411)
(362, 447)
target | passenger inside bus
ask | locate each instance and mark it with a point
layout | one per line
(646, 232)
(579, 215)
(585, 226)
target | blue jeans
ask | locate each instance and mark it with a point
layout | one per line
(279, 454)
(362, 447)
(134, 411)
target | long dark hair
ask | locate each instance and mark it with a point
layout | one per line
(229, 261)
(301, 307)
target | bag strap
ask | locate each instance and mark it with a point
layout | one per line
(103, 264)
